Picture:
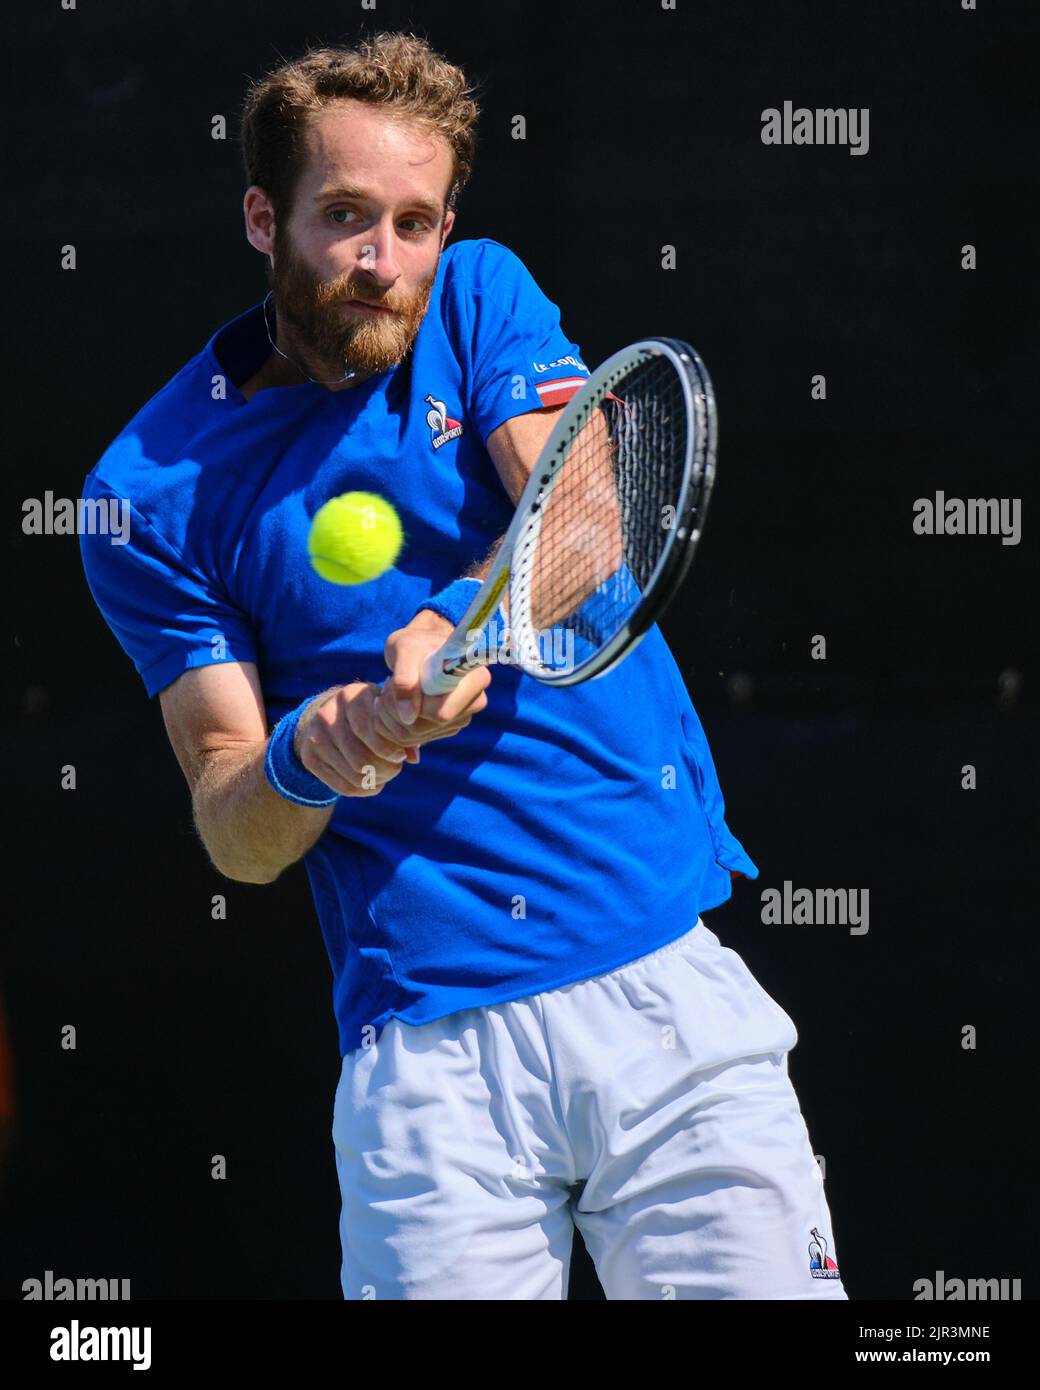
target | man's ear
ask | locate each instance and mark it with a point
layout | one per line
(449, 222)
(259, 219)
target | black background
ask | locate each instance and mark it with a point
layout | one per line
(643, 129)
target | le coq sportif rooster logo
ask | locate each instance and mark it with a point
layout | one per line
(442, 426)
(821, 1266)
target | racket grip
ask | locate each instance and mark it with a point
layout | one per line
(435, 680)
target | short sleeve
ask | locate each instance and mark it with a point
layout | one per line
(520, 357)
(167, 616)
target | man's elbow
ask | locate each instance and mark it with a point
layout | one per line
(249, 875)
(244, 871)
(230, 857)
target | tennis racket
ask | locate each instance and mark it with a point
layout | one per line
(606, 527)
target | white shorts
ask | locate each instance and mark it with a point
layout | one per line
(651, 1107)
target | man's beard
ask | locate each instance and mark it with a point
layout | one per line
(328, 340)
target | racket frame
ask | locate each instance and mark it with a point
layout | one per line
(443, 669)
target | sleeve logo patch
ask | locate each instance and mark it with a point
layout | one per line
(561, 362)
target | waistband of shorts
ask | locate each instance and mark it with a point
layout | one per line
(679, 942)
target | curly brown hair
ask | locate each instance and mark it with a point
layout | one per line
(399, 72)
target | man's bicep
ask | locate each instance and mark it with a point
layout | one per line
(515, 445)
(213, 708)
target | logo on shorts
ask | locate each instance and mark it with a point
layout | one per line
(442, 426)
(821, 1266)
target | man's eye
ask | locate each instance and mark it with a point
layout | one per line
(413, 226)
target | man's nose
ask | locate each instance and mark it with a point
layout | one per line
(378, 258)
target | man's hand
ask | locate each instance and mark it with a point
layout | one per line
(337, 739)
(404, 714)
(353, 737)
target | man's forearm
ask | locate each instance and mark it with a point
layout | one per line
(250, 832)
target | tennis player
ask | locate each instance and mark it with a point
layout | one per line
(537, 1027)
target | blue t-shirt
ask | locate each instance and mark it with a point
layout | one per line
(563, 832)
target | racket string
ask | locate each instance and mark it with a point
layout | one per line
(590, 549)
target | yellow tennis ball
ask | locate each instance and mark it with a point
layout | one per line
(354, 538)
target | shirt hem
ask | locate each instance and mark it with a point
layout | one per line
(414, 1018)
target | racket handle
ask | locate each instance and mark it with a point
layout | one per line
(435, 680)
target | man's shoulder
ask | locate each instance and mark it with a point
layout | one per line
(480, 262)
(139, 459)
(486, 285)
